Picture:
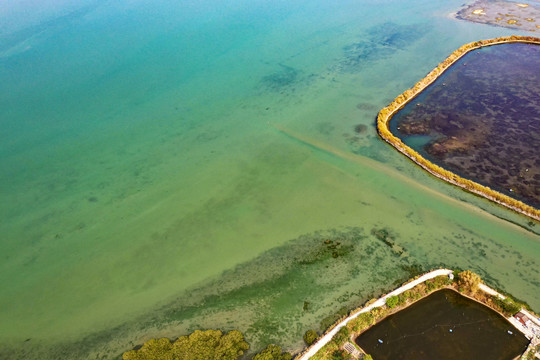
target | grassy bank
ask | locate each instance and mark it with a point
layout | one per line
(465, 282)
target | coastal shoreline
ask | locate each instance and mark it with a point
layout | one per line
(380, 303)
(386, 114)
(483, 288)
(313, 349)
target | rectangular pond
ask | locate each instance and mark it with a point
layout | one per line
(444, 325)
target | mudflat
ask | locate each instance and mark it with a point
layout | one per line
(522, 16)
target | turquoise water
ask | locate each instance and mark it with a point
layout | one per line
(167, 166)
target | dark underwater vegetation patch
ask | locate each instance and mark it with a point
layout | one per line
(304, 284)
(360, 129)
(394, 35)
(325, 128)
(365, 106)
(379, 42)
(284, 77)
(285, 80)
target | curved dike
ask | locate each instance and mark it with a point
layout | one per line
(477, 131)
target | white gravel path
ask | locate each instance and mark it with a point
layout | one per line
(490, 291)
(380, 302)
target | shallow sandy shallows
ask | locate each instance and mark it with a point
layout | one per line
(523, 16)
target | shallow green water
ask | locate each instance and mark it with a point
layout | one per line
(169, 166)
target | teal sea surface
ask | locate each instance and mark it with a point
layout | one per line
(167, 166)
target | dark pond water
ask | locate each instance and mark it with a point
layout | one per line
(444, 325)
(482, 118)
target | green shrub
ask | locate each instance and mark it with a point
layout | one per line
(272, 352)
(469, 281)
(341, 337)
(443, 280)
(508, 306)
(363, 321)
(430, 285)
(340, 355)
(402, 298)
(392, 301)
(310, 337)
(200, 345)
